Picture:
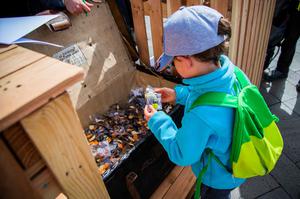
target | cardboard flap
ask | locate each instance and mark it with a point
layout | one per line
(104, 59)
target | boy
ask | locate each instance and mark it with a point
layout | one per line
(194, 41)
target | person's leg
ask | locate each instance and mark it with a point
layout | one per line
(289, 44)
(269, 55)
(211, 193)
(298, 86)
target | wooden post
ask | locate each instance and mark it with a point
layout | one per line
(137, 8)
(14, 183)
(235, 24)
(156, 27)
(247, 37)
(172, 6)
(56, 132)
(251, 25)
(221, 6)
(192, 2)
(270, 9)
(254, 35)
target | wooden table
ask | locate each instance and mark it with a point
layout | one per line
(43, 150)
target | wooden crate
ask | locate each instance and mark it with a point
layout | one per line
(43, 149)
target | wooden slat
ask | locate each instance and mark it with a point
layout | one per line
(250, 35)
(4, 48)
(46, 185)
(56, 132)
(247, 38)
(15, 59)
(140, 30)
(182, 186)
(236, 24)
(255, 37)
(242, 33)
(20, 143)
(167, 183)
(172, 6)
(192, 2)
(13, 183)
(156, 27)
(123, 29)
(270, 11)
(31, 87)
(221, 6)
(262, 38)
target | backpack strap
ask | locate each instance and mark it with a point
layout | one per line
(241, 77)
(211, 155)
(216, 99)
(222, 99)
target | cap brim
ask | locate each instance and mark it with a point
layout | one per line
(163, 61)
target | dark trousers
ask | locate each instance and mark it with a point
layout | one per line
(211, 193)
(288, 46)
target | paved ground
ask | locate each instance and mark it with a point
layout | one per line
(284, 101)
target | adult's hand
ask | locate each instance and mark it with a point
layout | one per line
(77, 6)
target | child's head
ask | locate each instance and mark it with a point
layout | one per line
(194, 39)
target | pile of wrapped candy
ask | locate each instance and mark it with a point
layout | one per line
(115, 134)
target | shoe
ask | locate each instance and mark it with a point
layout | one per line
(274, 75)
(298, 86)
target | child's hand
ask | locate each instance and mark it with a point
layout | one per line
(167, 94)
(149, 112)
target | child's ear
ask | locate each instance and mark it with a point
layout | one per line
(185, 60)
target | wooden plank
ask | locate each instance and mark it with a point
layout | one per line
(270, 11)
(192, 2)
(221, 6)
(31, 87)
(243, 19)
(167, 183)
(261, 42)
(236, 24)
(123, 29)
(140, 30)
(56, 132)
(255, 37)
(32, 171)
(229, 10)
(17, 58)
(156, 27)
(20, 143)
(13, 183)
(182, 186)
(46, 185)
(247, 37)
(4, 48)
(260, 39)
(172, 6)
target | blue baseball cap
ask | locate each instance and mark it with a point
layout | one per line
(189, 31)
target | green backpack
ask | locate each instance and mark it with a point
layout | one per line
(256, 141)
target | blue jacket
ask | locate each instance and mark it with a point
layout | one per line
(202, 127)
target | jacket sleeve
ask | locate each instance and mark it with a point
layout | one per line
(185, 145)
(182, 92)
(53, 4)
